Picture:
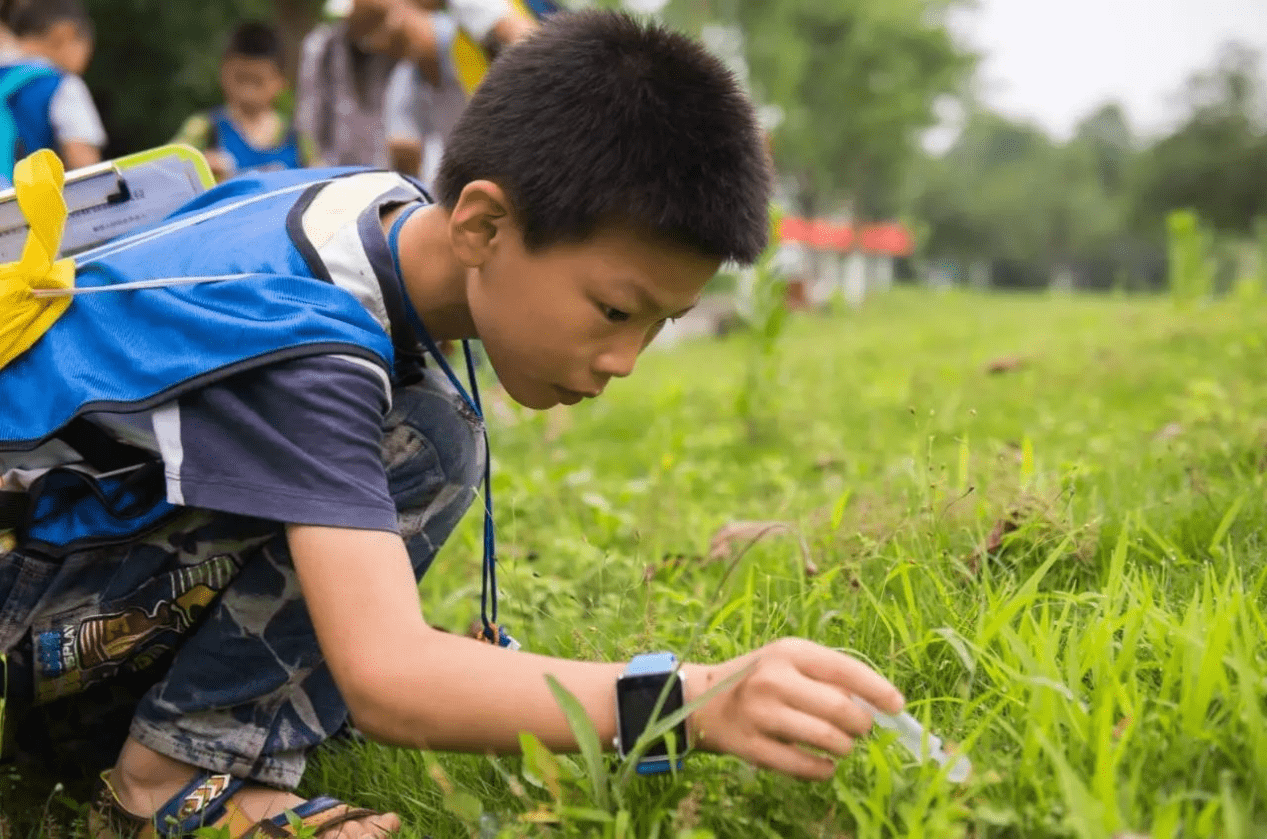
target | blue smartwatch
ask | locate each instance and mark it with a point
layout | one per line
(637, 691)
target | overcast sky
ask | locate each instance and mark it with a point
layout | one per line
(1054, 62)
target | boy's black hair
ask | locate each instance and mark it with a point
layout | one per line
(598, 119)
(255, 39)
(37, 17)
(8, 8)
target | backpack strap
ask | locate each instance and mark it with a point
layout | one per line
(18, 77)
(98, 449)
(213, 127)
(13, 507)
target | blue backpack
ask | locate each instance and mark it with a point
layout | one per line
(26, 91)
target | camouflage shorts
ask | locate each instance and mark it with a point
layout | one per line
(195, 639)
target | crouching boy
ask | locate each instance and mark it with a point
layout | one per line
(234, 475)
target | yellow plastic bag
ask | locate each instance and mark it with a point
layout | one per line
(24, 316)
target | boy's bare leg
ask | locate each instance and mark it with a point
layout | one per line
(145, 780)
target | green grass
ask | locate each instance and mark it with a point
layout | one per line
(1060, 565)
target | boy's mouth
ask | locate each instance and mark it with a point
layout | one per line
(571, 397)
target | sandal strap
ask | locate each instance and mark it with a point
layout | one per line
(203, 802)
(206, 802)
(316, 814)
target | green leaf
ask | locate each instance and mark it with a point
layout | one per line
(540, 767)
(1027, 460)
(464, 805)
(838, 509)
(1226, 523)
(588, 814)
(586, 738)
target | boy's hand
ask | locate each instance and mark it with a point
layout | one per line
(411, 34)
(794, 700)
(222, 165)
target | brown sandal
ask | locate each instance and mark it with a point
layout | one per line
(206, 802)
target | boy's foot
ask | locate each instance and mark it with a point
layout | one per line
(144, 781)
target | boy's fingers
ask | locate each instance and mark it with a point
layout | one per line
(830, 703)
(793, 761)
(792, 726)
(850, 674)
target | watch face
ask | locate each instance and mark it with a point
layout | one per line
(636, 698)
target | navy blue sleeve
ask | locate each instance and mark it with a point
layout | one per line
(297, 442)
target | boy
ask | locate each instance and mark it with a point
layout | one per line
(343, 71)
(247, 133)
(270, 469)
(46, 104)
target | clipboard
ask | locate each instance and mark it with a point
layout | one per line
(115, 197)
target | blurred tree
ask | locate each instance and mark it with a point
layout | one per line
(1093, 210)
(1106, 137)
(1006, 194)
(856, 81)
(156, 61)
(1216, 162)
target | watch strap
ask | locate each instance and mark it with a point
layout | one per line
(641, 665)
(657, 766)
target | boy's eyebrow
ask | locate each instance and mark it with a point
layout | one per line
(648, 301)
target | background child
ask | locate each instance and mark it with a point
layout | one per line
(419, 114)
(247, 133)
(46, 104)
(8, 43)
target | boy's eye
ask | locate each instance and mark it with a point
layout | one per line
(613, 314)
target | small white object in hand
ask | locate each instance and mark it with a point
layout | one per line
(923, 746)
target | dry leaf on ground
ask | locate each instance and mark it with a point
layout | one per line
(740, 534)
(734, 539)
(1005, 364)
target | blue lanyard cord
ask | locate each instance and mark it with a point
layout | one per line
(488, 589)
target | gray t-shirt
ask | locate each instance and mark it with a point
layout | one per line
(294, 442)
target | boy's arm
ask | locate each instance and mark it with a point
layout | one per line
(493, 23)
(408, 684)
(312, 105)
(403, 119)
(76, 155)
(76, 124)
(195, 131)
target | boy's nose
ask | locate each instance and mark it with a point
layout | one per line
(619, 359)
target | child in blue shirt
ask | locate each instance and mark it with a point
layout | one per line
(247, 133)
(234, 480)
(44, 104)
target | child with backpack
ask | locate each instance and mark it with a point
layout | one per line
(233, 463)
(46, 104)
(247, 133)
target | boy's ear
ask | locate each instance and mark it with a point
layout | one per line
(480, 221)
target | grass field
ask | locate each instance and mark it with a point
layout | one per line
(1058, 562)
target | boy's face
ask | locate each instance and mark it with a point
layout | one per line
(250, 84)
(68, 47)
(559, 324)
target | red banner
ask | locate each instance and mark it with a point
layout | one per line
(891, 238)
